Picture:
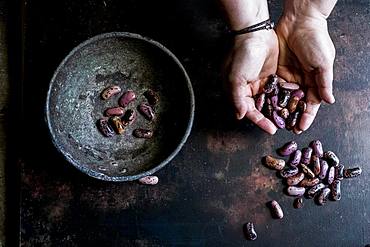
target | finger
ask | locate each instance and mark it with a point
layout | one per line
(313, 105)
(258, 118)
(324, 82)
(239, 96)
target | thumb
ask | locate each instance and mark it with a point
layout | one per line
(324, 82)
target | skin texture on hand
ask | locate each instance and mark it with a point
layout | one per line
(306, 56)
(252, 59)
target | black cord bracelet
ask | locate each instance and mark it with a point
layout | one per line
(264, 25)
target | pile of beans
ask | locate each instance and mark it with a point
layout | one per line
(282, 102)
(311, 172)
(117, 118)
(308, 173)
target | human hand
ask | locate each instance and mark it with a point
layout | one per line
(250, 62)
(306, 56)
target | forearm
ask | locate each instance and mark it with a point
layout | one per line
(308, 8)
(244, 13)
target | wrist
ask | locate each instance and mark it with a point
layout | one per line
(313, 9)
(242, 14)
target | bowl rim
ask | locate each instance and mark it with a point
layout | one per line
(94, 173)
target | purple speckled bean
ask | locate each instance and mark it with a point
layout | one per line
(284, 113)
(110, 91)
(306, 155)
(317, 149)
(147, 111)
(288, 148)
(284, 97)
(271, 162)
(104, 127)
(316, 165)
(269, 108)
(296, 191)
(249, 231)
(274, 102)
(307, 171)
(143, 133)
(297, 93)
(114, 111)
(279, 121)
(292, 104)
(309, 182)
(260, 102)
(288, 85)
(352, 172)
(292, 120)
(129, 117)
(276, 210)
(323, 169)
(127, 98)
(151, 96)
(271, 84)
(296, 179)
(331, 158)
(311, 192)
(323, 196)
(335, 190)
(288, 172)
(298, 203)
(149, 180)
(295, 158)
(339, 172)
(331, 174)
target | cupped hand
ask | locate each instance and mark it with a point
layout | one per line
(306, 56)
(253, 58)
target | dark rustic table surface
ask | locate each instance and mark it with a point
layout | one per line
(216, 183)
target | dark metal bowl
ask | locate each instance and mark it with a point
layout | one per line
(74, 105)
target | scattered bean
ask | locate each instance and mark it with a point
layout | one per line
(114, 111)
(129, 117)
(110, 91)
(307, 171)
(323, 169)
(127, 98)
(331, 158)
(312, 192)
(284, 98)
(104, 127)
(149, 180)
(249, 231)
(316, 146)
(323, 196)
(288, 172)
(293, 103)
(288, 148)
(352, 172)
(339, 170)
(152, 97)
(316, 165)
(296, 179)
(297, 93)
(147, 111)
(284, 113)
(335, 190)
(276, 210)
(296, 191)
(295, 158)
(117, 124)
(274, 163)
(331, 175)
(306, 155)
(279, 121)
(143, 133)
(260, 101)
(298, 203)
(309, 182)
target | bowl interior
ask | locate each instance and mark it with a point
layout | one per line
(74, 106)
